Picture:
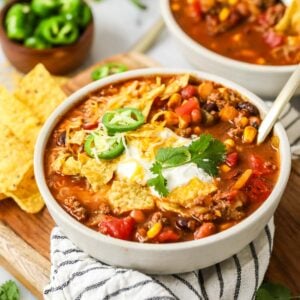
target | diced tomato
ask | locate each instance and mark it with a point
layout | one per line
(232, 159)
(118, 228)
(231, 195)
(205, 230)
(273, 39)
(257, 189)
(188, 92)
(194, 9)
(261, 167)
(188, 107)
(168, 235)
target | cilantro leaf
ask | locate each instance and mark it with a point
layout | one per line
(272, 291)
(208, 153)
(159, 182)
(139, 4)
(9, 291)
(172, 157)
(200, 145)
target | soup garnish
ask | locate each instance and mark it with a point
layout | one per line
(163, 159)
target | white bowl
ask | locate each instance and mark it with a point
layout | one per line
(265, 81)
(160, 258)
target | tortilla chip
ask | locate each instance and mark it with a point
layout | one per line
(71, 166)
(18, 118)
(126, 196)
(60, 80)
(175, 85)
(15, 160)
(173, 207)
(75, 136)
(291, 19)
(185, 212)
(98, 173)
(39, 91)
(27, 195)
(185, 195)
(139, 95)
(2, 197)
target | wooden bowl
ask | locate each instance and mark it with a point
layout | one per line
(59, 60)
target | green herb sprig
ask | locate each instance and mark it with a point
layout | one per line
(206, 152)
(274, 291)
(9, 291)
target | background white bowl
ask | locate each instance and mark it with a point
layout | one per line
(265, 81)
(160, 258)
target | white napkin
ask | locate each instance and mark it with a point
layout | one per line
(77, 276)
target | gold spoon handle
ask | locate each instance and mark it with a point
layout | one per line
(147, 40)
(282, 99)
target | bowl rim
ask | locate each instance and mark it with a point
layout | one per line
(77, 97)
(218, 58)
(3, 11)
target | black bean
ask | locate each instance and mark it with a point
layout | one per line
(182, 223)
(210, 106)
(186, 224)
(208, 119)
(61, 141)
(248, 107)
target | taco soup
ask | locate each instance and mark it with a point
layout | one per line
(263, 32)
(161, 159)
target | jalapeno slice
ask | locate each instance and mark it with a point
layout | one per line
(57, 31)
(104, 147)
(108, 69)
(123, 119)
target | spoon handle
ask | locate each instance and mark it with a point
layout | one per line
(145, 43)
(282, 99)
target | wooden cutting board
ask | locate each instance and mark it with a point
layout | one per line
(24, 238)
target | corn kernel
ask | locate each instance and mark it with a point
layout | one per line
(243, 122)
(154, 230)
(249, 134)
(229, 143)
(275, 142)
(225, 168)
(224, 14)
(175, 6)
(237, 37)
(232, 2)
(242, 180)
(174, 101)
(261, 61)
(218, 213)
(293, 40)
(205, 89)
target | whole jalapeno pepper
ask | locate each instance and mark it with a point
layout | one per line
(70, 8)
(36, 43)
(85, 15)
(44, 8)
(77, 11)
(58, 31)
(19, 22)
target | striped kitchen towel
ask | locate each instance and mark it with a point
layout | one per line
(77, 276)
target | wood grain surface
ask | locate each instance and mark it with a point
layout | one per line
(27, 236)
